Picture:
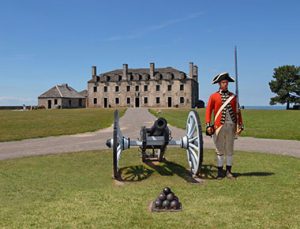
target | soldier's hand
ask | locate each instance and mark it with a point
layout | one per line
(239, 130)
(210, 131)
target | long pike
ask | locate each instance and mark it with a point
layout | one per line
(236, 88)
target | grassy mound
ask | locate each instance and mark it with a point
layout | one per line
(17, 125)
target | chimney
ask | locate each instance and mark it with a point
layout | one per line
(125, 71)
(191, 70)
(152, 70)
(94, 72)
(195, 72)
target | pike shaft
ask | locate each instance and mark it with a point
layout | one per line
(236, 77)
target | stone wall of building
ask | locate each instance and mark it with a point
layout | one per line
(162, 87)
(73, 103)
(56, 103)
(151, 93)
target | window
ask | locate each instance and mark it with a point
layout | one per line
(145, 100)
(105, 88)
(157, 87)
(169, 87)
(117, 88)
(55, 101)
(128, 100)
(157, 100)
(70, 102)
(181, 87)
(95, 89)
(117, 100)
(181, 99)
(80, 102)
(137, 88)
(128, 88)
(95, 100)
(145, 87)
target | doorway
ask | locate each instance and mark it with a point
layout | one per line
(169, 101)
(137, 102)
(49, 104)
(105, 102)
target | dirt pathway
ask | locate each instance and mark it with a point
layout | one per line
(130, 125)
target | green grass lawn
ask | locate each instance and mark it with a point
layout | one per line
(76, 190)
(17, 125)
(275, 124)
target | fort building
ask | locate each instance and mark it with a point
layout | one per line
(144, 87)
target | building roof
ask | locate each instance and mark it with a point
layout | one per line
(167, 73)
(62, 91)
(84, 93)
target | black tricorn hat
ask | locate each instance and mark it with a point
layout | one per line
(222, 76)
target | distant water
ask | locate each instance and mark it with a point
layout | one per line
(264, 107)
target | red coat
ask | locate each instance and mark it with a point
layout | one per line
(214, 104)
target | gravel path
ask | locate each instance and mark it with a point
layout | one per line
(130, 125)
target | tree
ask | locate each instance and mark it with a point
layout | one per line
(286, 85)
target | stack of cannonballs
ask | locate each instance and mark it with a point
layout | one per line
(166, 201)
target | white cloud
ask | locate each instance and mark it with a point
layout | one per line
(142, 32)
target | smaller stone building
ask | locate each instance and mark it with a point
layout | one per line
(62, 96)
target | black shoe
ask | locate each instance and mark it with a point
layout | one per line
(220, 173)
(229, 175)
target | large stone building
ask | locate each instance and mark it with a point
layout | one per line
(62, 96)
(144, 87)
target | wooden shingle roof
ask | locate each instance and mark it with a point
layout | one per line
(84, 93)
(167, 73)
(61, 91)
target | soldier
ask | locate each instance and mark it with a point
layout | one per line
(227, 122)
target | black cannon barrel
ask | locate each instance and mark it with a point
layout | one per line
(159, 127)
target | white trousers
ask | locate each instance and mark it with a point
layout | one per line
(224, 143)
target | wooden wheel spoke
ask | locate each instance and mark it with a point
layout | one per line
(193, 158)
(193, 139)
(194, 147)
(191, 130)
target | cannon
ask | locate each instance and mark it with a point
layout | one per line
(153, 142)
(156, 139)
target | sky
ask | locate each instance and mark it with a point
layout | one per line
(45, 43)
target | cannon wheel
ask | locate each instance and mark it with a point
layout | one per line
(117, 147)
(195, 142)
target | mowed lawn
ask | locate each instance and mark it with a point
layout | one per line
(275, 124)
(77, 190)
(17, 125)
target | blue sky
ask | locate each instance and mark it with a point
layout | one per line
(44, 43)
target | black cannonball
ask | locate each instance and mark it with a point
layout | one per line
(166, 204)
(175, 198)
(162, 196)
(174, 204)
(166, 190)
(170, 196)
(158, 203)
